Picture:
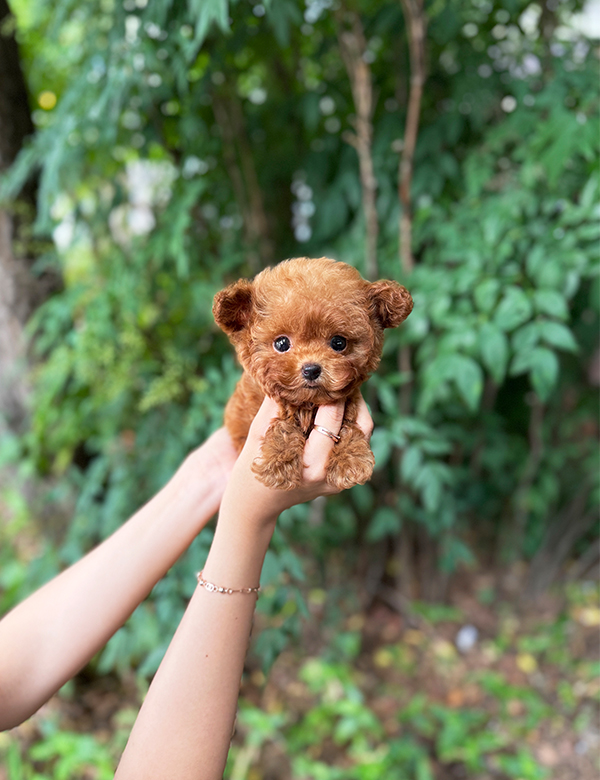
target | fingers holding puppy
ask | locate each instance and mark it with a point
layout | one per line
(364, 419)
(321, 452)
(321, 441)
(342, 458)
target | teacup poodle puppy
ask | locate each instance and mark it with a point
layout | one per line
(307, 332)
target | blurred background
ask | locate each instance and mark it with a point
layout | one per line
(442, 621)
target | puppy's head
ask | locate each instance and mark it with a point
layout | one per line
(310, 331)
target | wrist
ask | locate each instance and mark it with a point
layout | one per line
(254, 526)
(237, 551)
(248, 513)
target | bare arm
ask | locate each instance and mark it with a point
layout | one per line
(50, 636)
(184, 727)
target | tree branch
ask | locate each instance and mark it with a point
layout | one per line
(416, 26)
(352, 48)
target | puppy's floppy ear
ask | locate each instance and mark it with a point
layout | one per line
(232, 307)
(390, 303)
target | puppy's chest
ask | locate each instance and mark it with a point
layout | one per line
(303, 417)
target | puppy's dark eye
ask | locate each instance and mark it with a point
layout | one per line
(282, 343)
(338, 343)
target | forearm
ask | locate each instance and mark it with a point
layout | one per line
(50, 636)
(184, 727)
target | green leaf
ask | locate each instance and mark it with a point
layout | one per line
(493, 226)
(461, 370)
(292, 563)
(469, 380)
(542, 364)
(514, 309)
(526, 338)
(589, 194)
(588, 232)
(493, 347)
(381, 445)
(558, 335)
(486, 295)
(535, 261)
(454, 552)
(412, 460)
(429, 483)
(207, 13)
(436, 446)
(283, 15)
(550, 302)
(272, 568)
(544, 372)
(388, 398)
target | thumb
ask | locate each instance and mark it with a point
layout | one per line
(264, 417)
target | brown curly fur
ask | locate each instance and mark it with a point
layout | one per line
(309, 301)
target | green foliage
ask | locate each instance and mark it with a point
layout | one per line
(428, 734)
(65, 755)
(192, 143)
(71, 754)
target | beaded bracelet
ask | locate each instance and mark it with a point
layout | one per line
(217, 589)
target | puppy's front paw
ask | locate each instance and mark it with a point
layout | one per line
(351, 461)
(280, 462)
(281, 475)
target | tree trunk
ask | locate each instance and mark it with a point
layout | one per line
(15, 118)
(20, 290)
(13, 310)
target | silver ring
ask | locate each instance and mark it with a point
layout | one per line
(326, 432)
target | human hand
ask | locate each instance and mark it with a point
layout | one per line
(204, 474)
(223, 454)
(247, 496)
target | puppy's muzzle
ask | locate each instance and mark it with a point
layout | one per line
(311, 371)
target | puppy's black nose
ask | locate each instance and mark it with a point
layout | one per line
(311, 371)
